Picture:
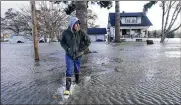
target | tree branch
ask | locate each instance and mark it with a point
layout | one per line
(171, 6)
(173, 15)
(163, 16)
(173, 30)
(9, 28)
(166, 22)
(148, 5)
(173, 21)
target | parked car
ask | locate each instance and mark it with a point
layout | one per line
(17, 39)
(43, 40)
(99, 40)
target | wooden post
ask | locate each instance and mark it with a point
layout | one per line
(117, 22)
(35, 30)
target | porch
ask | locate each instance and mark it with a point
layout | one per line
(133, 33)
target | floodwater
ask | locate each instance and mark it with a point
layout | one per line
(125, 73)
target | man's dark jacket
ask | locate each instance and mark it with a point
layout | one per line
(74, 43)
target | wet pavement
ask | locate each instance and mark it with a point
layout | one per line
(125, 73)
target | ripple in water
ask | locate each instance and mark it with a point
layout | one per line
(171, 54)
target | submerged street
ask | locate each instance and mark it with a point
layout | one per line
(125, 73)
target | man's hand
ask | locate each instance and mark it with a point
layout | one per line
(80, 54)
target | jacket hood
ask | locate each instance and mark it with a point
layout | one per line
(72, 21)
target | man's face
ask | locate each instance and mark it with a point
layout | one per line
(76, 27)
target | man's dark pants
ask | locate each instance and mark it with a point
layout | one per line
(72, 64)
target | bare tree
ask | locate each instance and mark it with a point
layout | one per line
(91, 18)
(168, 18)
(27, 28)
(35, 31)
(51, 19)
(168, 25)
(12, 21)
(18, 22)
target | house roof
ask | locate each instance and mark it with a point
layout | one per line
(144, 19)
(96, 31)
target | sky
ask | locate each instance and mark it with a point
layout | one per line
(154, 14)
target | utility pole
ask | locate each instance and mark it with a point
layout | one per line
(35, 30)
(117, 22)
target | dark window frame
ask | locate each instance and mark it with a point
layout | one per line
(136, 18)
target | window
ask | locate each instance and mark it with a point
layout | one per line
(131, 20)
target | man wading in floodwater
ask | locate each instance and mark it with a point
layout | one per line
(74, 41)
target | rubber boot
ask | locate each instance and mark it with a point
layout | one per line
(77, 79)
(68, 83)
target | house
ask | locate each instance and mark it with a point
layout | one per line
(132, 25)
(97, 34)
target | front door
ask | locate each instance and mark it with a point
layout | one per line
(124, 32)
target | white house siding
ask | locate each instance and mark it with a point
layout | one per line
(142, 33)
(134, 39)
(94, 37)
(143, 28)
(112, 31)
(139, 20)
(121, 32)
(101, 37)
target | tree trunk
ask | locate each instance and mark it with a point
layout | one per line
(3, 37)
(35, 31)
(162, 39)
(117, 22)
(163, 15)
(81, 14)
(51, 36)
(180, 22)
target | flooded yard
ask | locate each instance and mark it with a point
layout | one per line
(124, 73)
